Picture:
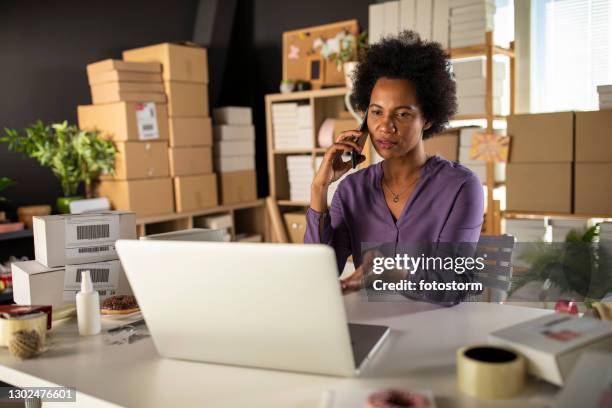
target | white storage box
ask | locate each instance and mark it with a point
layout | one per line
(233, 115)
(233, 132)
(552, 344)
(36, 284)
(80, 238)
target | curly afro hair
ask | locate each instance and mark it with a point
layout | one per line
(423, 63)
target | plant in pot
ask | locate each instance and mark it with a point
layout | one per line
(4, 183)
(579, 268)
(74, 155)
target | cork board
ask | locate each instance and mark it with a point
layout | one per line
(300, 48)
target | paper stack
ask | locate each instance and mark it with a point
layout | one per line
(65, 246)
(222, 222)
(235, 154)
(469, 21)
(292, 126)
(605, 96)
(471, 79)
(301, 174)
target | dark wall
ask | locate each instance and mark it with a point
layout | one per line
(44, 47)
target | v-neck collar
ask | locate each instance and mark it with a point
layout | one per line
(417, 188)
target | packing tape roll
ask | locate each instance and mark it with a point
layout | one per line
(490, 372)
(8, 326)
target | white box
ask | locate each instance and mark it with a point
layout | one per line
(376, 22)
(80, 238)
(234, 132)
(473, 8)
(475, 105)
(391, 18)
(227, 148)
(466, 18)
(477, 68)
(424, 10)
(478, 87)
(466, 42)
(233, 115)
(477, 26)
(192, 234)
(463, 3)
(552, 344)
(441, 13)
(218, 221)
(407, 11)
(235, 163)
(36, 284)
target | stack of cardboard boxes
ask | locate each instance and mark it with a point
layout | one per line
(235, 154)
(66, 245)
(593, 190)
(185, 81)
(129, 108)
(539, 172)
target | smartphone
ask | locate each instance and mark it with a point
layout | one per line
(364, 129)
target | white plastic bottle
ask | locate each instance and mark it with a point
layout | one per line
(88, 307)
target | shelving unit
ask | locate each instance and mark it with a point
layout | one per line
(247, 218)
(488, 50)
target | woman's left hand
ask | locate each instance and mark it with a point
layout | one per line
(355, 282)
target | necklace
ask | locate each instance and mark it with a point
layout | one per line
(396, 197)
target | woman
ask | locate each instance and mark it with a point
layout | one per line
(406, 87)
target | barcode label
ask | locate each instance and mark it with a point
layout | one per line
(147, 127)
(97, 274)
(146, 120)
(93, 231)
(94, 250)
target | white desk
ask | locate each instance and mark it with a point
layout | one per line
(419, 354)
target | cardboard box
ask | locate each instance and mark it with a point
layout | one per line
(140, 160)
(186, 99)
(36, 284)
(124, 86)
(233, 115)
(594, 136)
(233, 132)
(553, 343)
(180, 62)
(541, 137)
(126, 121)
(445, 145)
(235, 163)
(295, 222)
(124, 76)
(238, 187)
(593, 191)
(190, 131)
(102, 94)
(144, 197)
(81, 238)
(190, 161)
(106, 65)
(194, 193)
(230, 148)
(545, 187)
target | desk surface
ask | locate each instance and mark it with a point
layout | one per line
(419, 354)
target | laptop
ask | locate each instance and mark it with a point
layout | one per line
(272, 306)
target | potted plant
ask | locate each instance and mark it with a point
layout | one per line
(578, 268)
(350, 50)
(4, 183)
(74, 155)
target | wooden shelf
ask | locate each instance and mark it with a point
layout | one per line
(479, 51)
(292, 151)
(303, 95)
(539, 215)
(289, 203)
(206, 211)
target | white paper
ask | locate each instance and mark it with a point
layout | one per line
(146, 120)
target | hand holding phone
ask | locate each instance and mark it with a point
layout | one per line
(363, 128)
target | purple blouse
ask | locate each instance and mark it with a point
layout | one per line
(445, 206)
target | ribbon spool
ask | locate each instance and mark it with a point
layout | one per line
(490, 372)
